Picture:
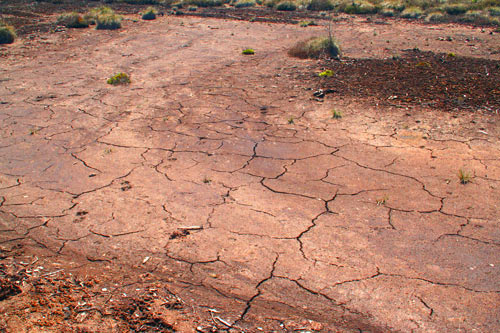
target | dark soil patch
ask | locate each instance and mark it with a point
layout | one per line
(417, 78)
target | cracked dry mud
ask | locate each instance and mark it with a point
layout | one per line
(357, 223)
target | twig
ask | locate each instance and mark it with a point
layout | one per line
(224, 322)
(52, 273)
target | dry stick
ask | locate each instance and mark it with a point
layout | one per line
(52, 273)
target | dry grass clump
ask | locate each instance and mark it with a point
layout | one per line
(316, 47)
(72, 20)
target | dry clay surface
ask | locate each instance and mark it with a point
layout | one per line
(219, 171)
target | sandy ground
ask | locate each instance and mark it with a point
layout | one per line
(219, 178)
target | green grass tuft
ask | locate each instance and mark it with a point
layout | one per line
(248, 51)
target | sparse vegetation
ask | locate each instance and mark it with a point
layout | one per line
(149, 14)
(412, 13)
(248, 51)
(336, 114)
(7, 33)
(315, 48)
(464, 176)
(203, 3)
(455, 9)
(291, 120)
(91, 16)
(72, 20)
(142, 2)
(359, 7)
(382, 201)
(435, 17)
(494, 11)
(320, 5)
(306, 23)
(245, 3)
(120, 78)
(286, 6)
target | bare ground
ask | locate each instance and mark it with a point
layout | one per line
(216, 192)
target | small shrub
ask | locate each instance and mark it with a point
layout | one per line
(120, 78)
(91, 16)
(315, 48)
(326, 73)
(435, 17)
(245, 3)
(248, 52)
(72, 20)
(387, 12)
(7, 34)
(192, 8)
(270, 3)
(412, 13)
(286, 6)
(142, 2)
(455, 9)
(397, 6)
(306, 23)
(320, 5)
(472, 16)
(494, 11)
(204, 3)
(149, 14)
(359, 7)
(109, 22)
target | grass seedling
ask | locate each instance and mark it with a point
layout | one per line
(291, 120)
(464, 176)
(336, 114)
(382, 201)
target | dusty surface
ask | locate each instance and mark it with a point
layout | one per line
(221, 179)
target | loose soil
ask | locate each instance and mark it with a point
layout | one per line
(217, 192)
